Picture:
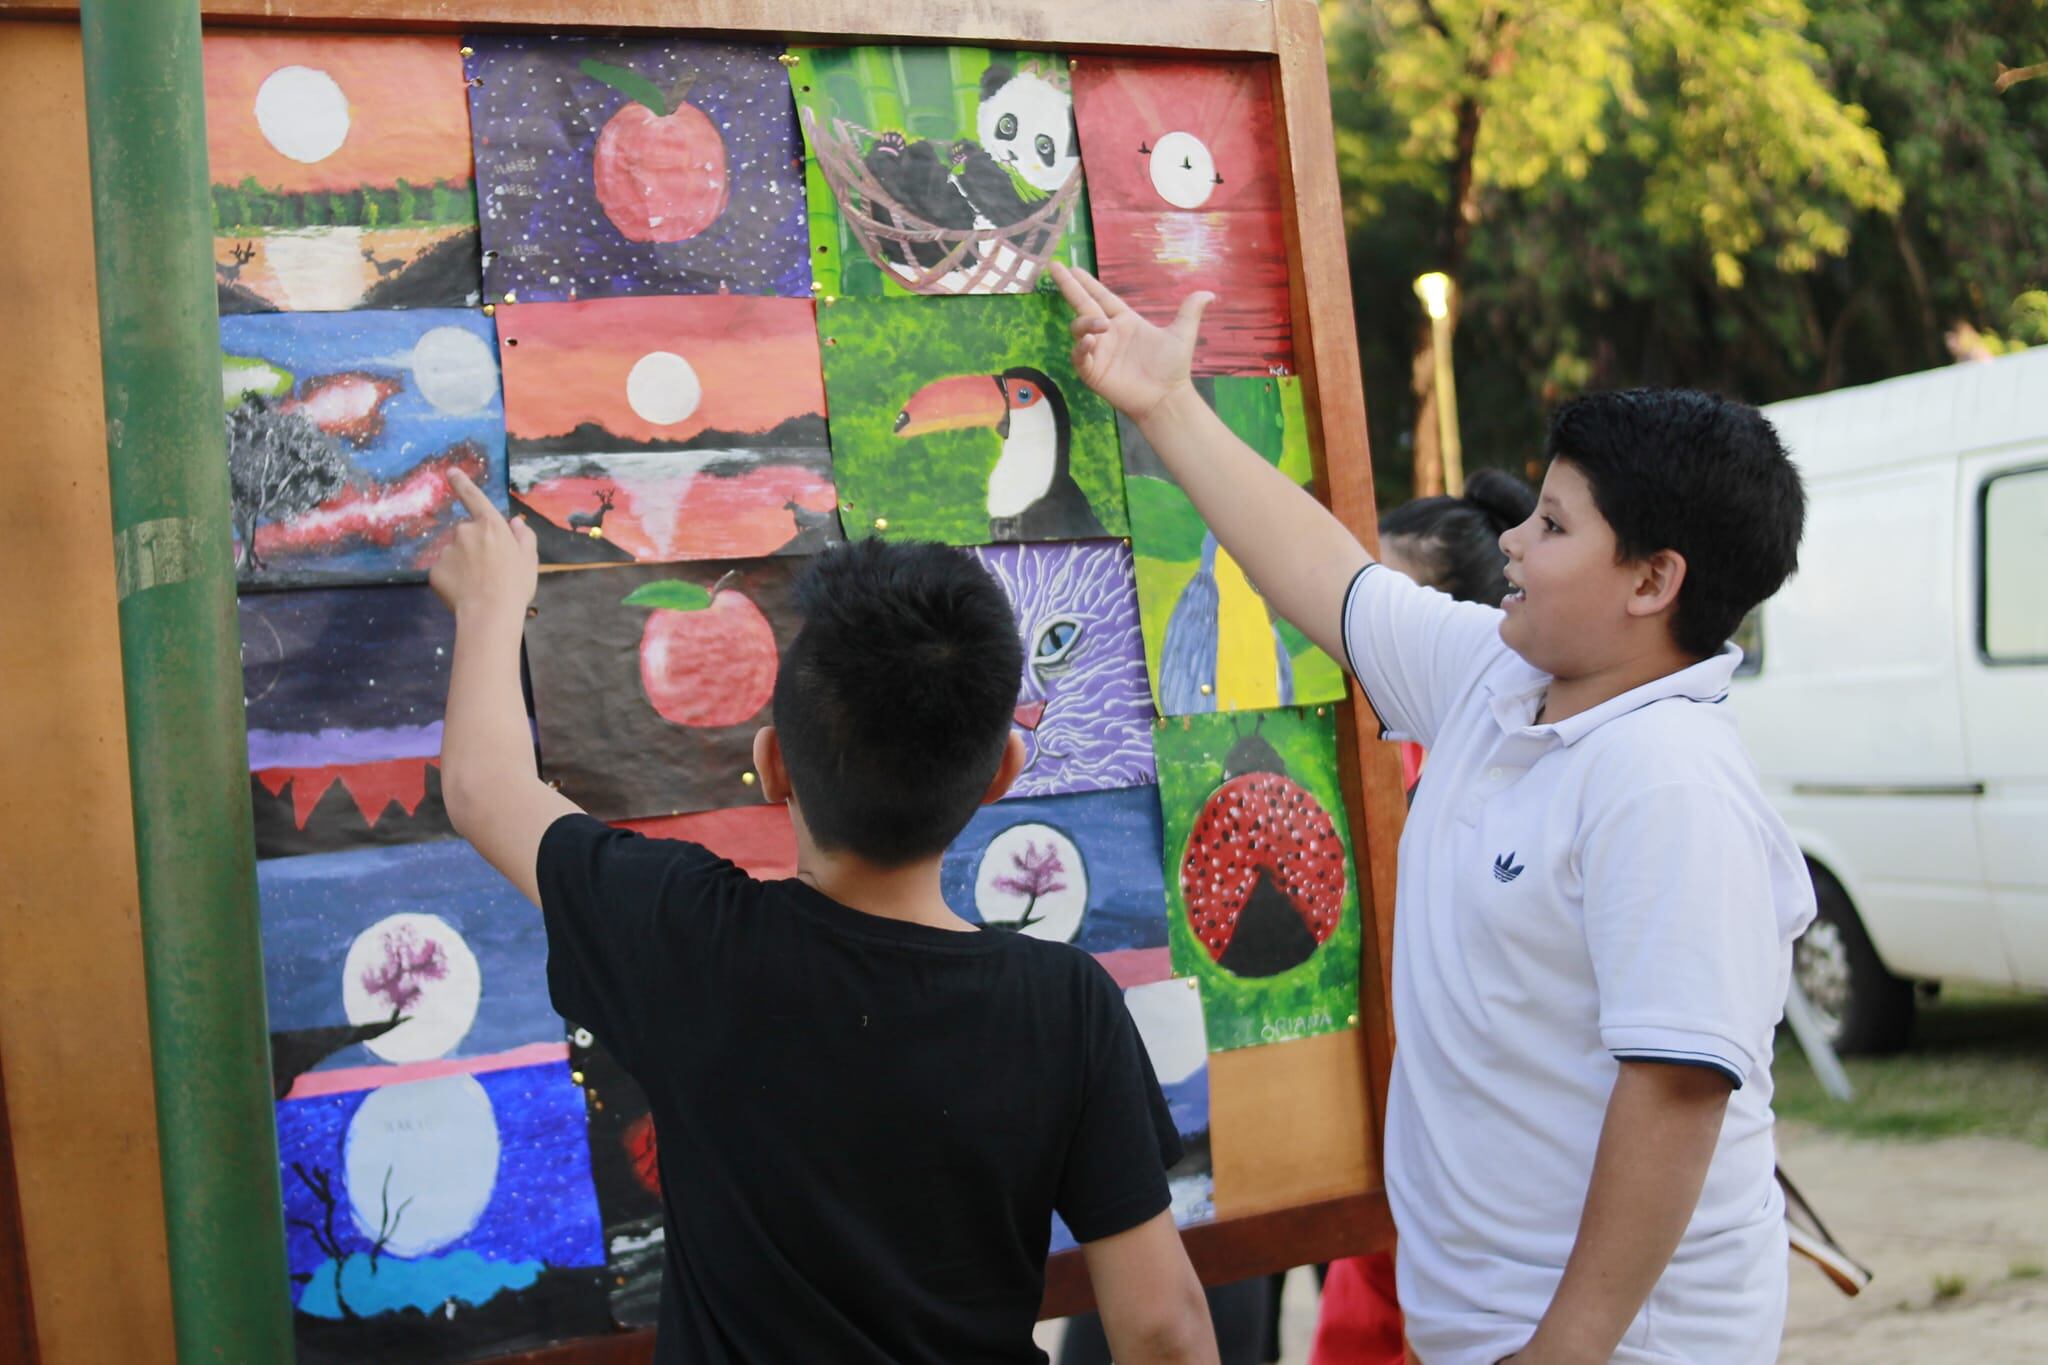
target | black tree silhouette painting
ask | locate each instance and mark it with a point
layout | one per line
(279, 465)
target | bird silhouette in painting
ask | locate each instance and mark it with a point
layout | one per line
(1222, 650)
(294, 1052)
(1031, 491)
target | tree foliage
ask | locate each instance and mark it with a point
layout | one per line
(279, 465)
(1765, 197)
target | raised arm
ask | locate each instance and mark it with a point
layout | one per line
(1298, 555)
(492, 789)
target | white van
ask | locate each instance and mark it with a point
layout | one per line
(1896, 697)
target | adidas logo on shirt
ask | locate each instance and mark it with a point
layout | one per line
(1505, 868)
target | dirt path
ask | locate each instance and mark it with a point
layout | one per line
(1957, 1233)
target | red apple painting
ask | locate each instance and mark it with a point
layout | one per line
(660, 164)
(650, 681)
(645, 167)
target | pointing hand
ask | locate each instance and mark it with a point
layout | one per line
(1117, 353)
(489, 564)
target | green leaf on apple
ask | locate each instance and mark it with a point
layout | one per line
(631, 84)
(669, 595)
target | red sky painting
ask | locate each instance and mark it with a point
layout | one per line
(402, 113)
(754, 360)
(1184, 187)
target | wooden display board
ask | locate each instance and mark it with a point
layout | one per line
(1294, 1126)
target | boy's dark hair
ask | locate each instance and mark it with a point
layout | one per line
(1675, 469)
(1455, 542)
(895, 699)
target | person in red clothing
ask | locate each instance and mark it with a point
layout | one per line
(1451, 544)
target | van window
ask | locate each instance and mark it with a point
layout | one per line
(2014, 546)
(1750, 635)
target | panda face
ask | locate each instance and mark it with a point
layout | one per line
(1183, 171)
(1027, 124)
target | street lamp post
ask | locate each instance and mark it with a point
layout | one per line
(1434, 289)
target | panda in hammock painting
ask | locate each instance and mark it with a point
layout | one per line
(1025, 149)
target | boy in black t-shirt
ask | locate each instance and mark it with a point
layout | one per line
(867, 1108)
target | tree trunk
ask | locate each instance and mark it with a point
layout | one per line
(1426, 445)
(1454, 236)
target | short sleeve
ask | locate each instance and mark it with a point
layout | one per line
(1683, 928)
(608, 897)
(1414, 649)
(1115, 1172)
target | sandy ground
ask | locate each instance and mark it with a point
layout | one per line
(1956, 1231)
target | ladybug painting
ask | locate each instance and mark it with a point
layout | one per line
(1264, 873)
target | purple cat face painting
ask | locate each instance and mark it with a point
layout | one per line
(1083, 707)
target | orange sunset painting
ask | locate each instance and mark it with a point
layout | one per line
(661, 429)
(341, 172)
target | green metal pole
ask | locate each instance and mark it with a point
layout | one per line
(187, 748)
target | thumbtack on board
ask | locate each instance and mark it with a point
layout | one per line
(747, 779)
(881, 523)
(511, 296)
(789, 59)
(1206, 689)
(490, 310)
(469, 52)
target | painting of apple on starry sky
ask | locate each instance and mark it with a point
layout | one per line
(609, 168)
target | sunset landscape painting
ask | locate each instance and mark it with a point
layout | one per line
(660, 429)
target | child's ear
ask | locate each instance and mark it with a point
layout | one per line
(768, 765)
(1658, 580)
(1007, 770)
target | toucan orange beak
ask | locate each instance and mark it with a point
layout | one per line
(967, 400)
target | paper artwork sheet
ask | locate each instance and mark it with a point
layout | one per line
(1262, 896)
(1083, 710)
(1211, 642)
(1169, 1019)
(939, 170)
(342, 429)
(658, 429)
(962, 420)
(610, 167)
(650, 681)
(1184, 169)
(435, 1173)
(341, 172)
(625, 1167)
(343, 690)
(757, 839)
(1080, 869)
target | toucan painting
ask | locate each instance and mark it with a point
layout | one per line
(1031, 491)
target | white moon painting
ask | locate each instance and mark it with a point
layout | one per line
(422, 1160)
(302, 113)
(1183, 171)
(1169, 1018)
(418, 966)
(455, 370)
(1033, 879)
(663, 388)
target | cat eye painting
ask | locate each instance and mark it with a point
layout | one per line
(1083, 711)
(962, 420)
(342, 429)
(649, 681)
(668, 428)
(938, 170)
(1184, 174)
(1211, 642)
(1261, 893)
(341, 172)
(609, 167)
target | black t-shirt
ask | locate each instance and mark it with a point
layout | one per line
(864, 1125)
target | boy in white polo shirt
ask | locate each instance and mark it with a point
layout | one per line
(1596, 908)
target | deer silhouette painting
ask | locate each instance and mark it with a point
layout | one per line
(243, 252)
(385, 269)
(592, 523)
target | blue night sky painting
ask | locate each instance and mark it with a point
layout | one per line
(1083, 868)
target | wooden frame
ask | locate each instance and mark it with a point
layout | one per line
(1301, 1223)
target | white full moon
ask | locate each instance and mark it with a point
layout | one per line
(1183, 171)
(302, 113)
(421, 1161)
(1035, 869)
(455, 370)
(419, 966)
(1169, 1018)
(663, 388)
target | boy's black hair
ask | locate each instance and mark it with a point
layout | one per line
(1675, 469)
(1455, 542)
(895, 698)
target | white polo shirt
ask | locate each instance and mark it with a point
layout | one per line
(1609, 887)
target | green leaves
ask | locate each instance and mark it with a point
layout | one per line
(668, 595)
(631, 84)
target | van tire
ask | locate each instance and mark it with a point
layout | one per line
(1863, 1009)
